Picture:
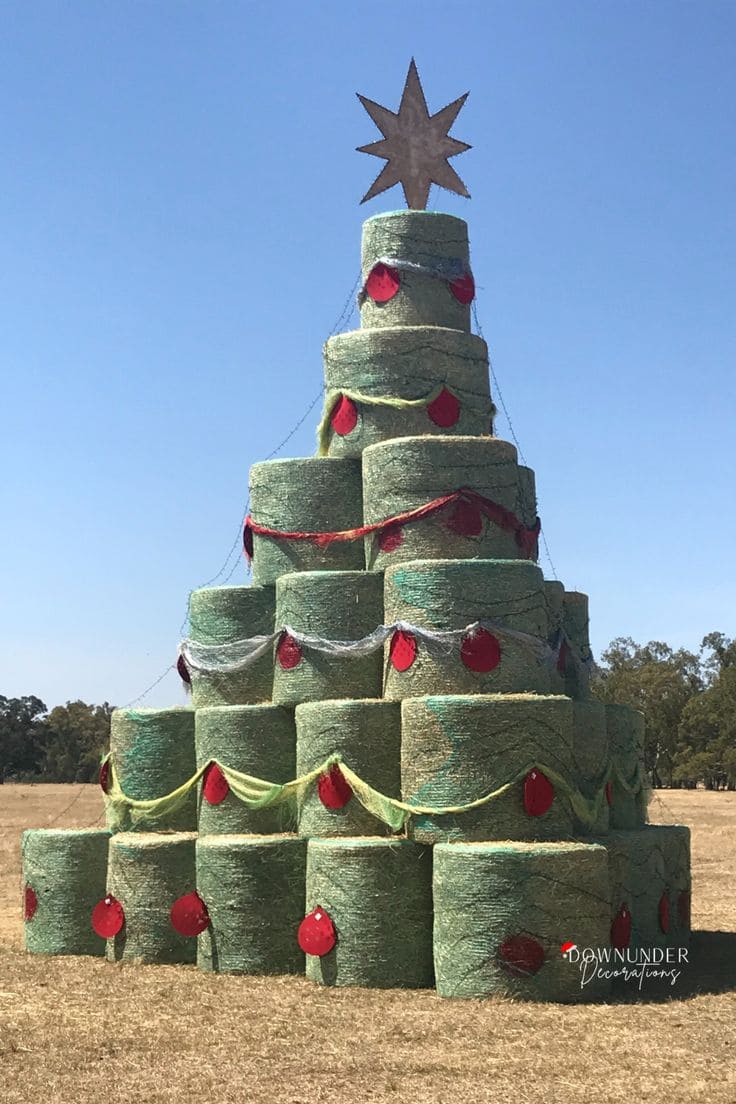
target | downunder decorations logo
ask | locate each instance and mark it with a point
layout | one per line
(637, 965)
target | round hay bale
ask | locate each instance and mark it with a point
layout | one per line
(447, 595)
(152, 752)
(368, 736)
(503, 910)
(147, 873)
(64, 873)
(253, 887)
(649, 870)
(626, 739)
(576, 651)
(378, 894)
(425, 238)
(259, 740)
(222, 615)
(409, 472)
(526, 501)
(405, 363)
(333, 605)
(591, 754)
(554, 594)
(315, 495)
(457, 749)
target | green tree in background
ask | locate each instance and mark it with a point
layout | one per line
(21, 737)
(77, 735)
(706, 747)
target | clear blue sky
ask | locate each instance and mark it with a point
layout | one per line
(180, 227)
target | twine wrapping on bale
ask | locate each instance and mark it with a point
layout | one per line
(449, 594)
(649, 871)
(503, 911)
(457, 747)
(317, 494)
(576, 666)
(554, 593)
(626, 742)
(343, 605)
(152, 751)
(526, 501)
(64, 873)
(591, 758)
(392, 376)
(378, 894)
(367, 734)
(147, 873)
(406, 473)
(257, 740)
(253, 887)
(424, 238)
(222, 615)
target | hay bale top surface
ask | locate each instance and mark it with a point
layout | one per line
(140, 840)
(64, 833)
(350, 843)
(244, 839)
(436, 440)
(262, 709)
(410, 215)
(488, 847)
(346, 703)
(150, 713)
(482, 699)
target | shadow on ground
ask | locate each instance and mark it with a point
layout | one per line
(711, 968)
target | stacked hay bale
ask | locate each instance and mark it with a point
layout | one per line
(64, 875)
(224, 615)
(650, 886)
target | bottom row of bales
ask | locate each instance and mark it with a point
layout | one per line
(473, 919)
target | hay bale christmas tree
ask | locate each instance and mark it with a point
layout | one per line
(398, 704)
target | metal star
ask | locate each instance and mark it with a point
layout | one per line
(415, 145)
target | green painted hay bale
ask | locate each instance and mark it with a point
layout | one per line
(334, 605)
(64, 872)
(649, 871)
(147, 873)
(526, 501)
(259, 740)
(626, 738)
(503, 910)
(253, 887)
(153, 754)
(378, 894)
(425, 238)
(575, 626)
(320, 495)
(591, 753)
(407, 363)
(441, 595)
(368, 736)
(457, 749)
(409, 472)
(554, 593)
(222, 615)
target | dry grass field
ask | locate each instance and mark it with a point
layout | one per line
(82, 1030)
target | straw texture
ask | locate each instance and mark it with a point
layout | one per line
(488, 895)
(626, 739)
(378, 894)
(153, 753)
(645, 866)
(222, 615)
(591, 758)
(253, 887)
(554, 594)
(66, 868)
(575, 627)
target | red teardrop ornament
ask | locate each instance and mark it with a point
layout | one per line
(539, 793)
(30, 903)
(466, 519)
(288, 652)
(215, 786)
(248, 541)
(664, 913)
(316, 934)
(344, 416)
(683, 908)
(621, 929)
(463, 288)
(521, 955)
(480, 651)
(402, 650)
(333, 789)
(445, 409)
(382, 283)
(391, 538)
(104, 776)
(183, 671)
(189, 915)
(562, 655)
(108, 917)
(609, 793)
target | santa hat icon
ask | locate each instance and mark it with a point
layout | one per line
(566, 948)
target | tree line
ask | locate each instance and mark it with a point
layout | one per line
(688, 699)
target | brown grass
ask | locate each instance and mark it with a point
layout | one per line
(74, 1029)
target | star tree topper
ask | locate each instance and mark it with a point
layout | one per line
(415, 145)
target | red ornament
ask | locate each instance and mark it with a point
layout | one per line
(621, 929)
(466, 519)
(108, 917)
(215, 786)
(391, 538)
(664, 913)
(402, 650)
(104, 776)
(609, 792)
(30, 903)
(183, 671)
(539, 793)
(463, 288)
(248, 541)
(333, 788)
(189, 915)
(382, 283)
(521, 955)
(288, 652)
(445, 409)
(562, 655)
(316, 934)
(683, 908)
(480, 651)
(344, 416)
